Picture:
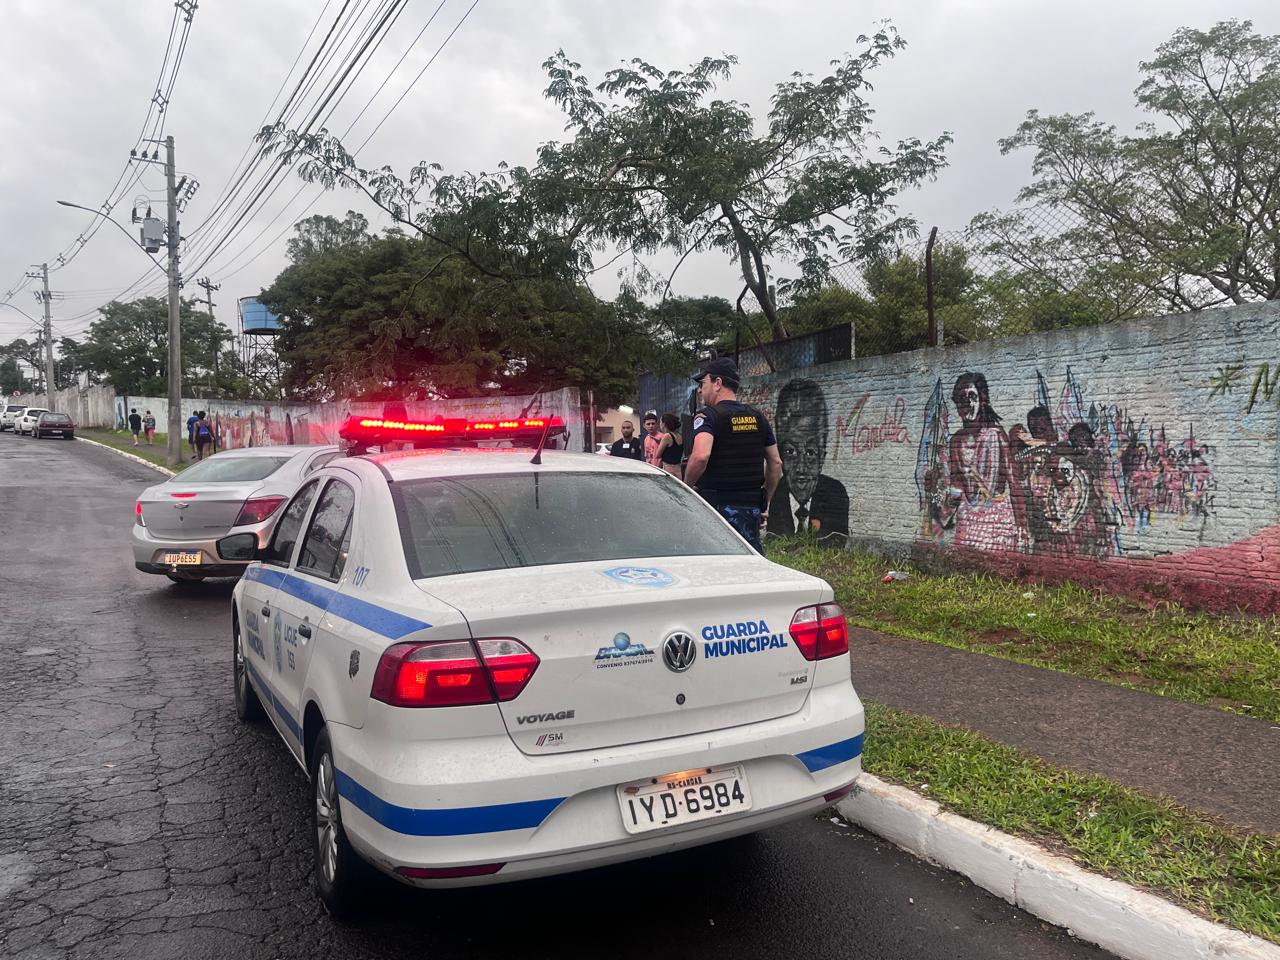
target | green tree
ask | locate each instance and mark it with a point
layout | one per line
(129, 347)
(29, 352)
(1184, 210)
(321, 233)
(656, 162)
(11, 378)
(405, 317)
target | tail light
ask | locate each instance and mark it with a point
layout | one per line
(137, 514)
(258, 509)
(450, 674)
(820, 631)
(442, 873)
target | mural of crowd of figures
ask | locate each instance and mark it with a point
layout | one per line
(1064, 482)
(1072, 479)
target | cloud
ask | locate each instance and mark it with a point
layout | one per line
(77, 86)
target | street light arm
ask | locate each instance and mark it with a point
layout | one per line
(99, 213)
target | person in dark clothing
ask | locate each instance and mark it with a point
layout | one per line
(191, 429)
(671, 446)
(734, 464)
(628, 445)
(203, 434)
(135, 425)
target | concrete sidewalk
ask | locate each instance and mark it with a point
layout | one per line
(1200, 757)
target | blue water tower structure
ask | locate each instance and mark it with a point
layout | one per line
(259, 328)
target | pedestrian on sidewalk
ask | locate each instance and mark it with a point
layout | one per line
(149, 428)
(671, 446)
(203, 434)
(191, 428)
(135, 424)
(735, 464)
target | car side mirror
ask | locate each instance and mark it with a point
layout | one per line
(238, 546)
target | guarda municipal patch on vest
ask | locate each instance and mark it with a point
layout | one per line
(743, 424)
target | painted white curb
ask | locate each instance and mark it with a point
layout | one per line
(129, 456)
(1117, 917)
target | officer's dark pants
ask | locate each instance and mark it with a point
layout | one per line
(746, 520)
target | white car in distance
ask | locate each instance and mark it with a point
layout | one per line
(487, 677)
(8, 413)
(24, 422)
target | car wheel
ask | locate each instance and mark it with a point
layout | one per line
(341, 876)
(248, 706)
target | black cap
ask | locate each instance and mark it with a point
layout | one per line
(721, 367)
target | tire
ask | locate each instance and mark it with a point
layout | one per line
(342, 878)
(248, 706)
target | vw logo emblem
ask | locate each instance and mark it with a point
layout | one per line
(679, 651)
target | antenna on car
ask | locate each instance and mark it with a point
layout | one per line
(537, 454)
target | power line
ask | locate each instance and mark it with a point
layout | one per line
(364, 54)
(366, 140)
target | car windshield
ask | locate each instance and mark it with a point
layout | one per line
(55, 418)
(492, 522)
(231, 469)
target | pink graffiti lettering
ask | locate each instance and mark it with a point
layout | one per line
(865, 437)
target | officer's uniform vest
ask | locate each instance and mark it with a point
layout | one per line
(735, 470)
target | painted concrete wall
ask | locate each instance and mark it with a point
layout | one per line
(1142, 456)
(242, 423)
(89, 407)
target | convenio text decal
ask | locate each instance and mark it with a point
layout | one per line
(732, 639)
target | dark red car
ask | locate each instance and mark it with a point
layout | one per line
(53, 425)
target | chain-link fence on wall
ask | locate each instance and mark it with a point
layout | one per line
(1004, 275)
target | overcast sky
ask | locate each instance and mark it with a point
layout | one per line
(79, 75)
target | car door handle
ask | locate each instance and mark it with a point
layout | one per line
(304, 631)
(266, 611)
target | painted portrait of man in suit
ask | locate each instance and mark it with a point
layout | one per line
(806, 499)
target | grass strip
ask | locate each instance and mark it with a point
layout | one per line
(1229, 662)
(123, 440)
(1195, 860)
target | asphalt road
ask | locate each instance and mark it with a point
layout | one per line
(139, 819)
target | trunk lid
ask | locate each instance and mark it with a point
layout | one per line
(599, 630)
(199, 511)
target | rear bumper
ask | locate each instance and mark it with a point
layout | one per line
(149, 551)
(449, 804)
(202, 570)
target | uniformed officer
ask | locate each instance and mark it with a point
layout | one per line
(735, 463)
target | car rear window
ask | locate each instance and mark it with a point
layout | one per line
(13, 408)
(55, 418)
(498, 521)
(232, 469)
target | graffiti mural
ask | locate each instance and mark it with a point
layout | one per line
(806, 498)
(1064, 483)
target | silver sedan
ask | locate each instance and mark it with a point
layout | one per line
(176, 523)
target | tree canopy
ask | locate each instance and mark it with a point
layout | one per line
(321, 233)
(406, 317)
(129, 347)
(656, 162)
(1186, 210)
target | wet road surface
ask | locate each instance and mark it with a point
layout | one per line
(139, 819)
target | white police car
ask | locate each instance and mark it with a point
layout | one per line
(495, 669)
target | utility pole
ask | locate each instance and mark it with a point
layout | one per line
(43, 276)
(174, 427)
(209, 286)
